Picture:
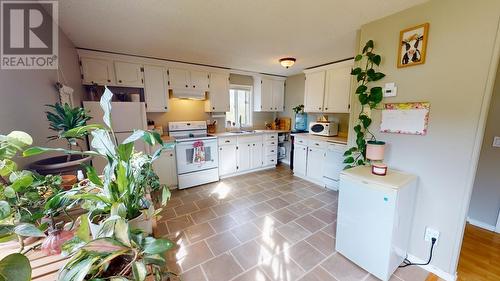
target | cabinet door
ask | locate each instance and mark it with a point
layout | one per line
(199, 80)
(218, 96)
(99, 71)
(129, 74)
(278, 95)
(314, 91)
(227, 159)
(315, 163)
(300, 160)
(165, 168)
(155, 88)
(178, 78)
(267, 95)
(256, 155)
(243, 157)
(338, 90)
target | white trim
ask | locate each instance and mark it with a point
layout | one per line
(248, 171)
(474, 159)
(497, 229)
(437, 271)
(481, 224)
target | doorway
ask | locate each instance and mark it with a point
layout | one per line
(480, 253)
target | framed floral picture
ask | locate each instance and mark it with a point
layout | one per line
(412, 45)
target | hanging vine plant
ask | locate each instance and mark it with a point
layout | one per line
(369, 97)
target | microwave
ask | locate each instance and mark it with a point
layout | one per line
(327, 129)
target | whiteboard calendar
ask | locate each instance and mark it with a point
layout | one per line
(405, 118)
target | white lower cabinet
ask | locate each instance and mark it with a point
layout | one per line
(240, 154)
(166, 168)
(300, 160)
(315, 162)
(227, 159)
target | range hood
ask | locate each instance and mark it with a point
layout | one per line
(188, 94)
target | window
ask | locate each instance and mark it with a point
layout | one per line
(240, 109)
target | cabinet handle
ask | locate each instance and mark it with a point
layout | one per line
(186, 86)
(254, 144)
(119, 81)
(213, 108)
(326, 108)
(142, 80)
(194, 86)
(227, 141)
(319, 108)
(171, 155)
(248, 144)
(165, 107)
(220, 148)
(272, 150)
(109, 81)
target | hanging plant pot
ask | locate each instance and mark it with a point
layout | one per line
(60, 165)
(375, 150)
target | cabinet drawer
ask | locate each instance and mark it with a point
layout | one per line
(271, 143)
(271, 150)
(249, 139)
(270, 160)
(268, 137)
(302, 141)
(316, 143)
(226, 140)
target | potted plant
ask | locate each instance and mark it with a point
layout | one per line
(119, 253)
(300, 118)
(63, 118)
(369, 98)
(128, 177)
(15, 267)
(22, 193)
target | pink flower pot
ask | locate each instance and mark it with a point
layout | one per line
(375, 150)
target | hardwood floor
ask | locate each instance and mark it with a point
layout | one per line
(480, 255)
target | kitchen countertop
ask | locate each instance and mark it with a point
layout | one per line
(167, 139)
(336, 139)
(255, 132)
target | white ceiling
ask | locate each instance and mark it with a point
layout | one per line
(241, 34)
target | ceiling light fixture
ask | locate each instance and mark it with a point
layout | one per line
(287, 62)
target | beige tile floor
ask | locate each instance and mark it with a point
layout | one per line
(263, 226)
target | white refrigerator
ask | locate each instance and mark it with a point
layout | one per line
(375, 215)
(125, 118)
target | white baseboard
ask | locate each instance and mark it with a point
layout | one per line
(481, 224)
(439, 272)
(246, 172)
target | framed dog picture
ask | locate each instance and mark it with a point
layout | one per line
(413, 43)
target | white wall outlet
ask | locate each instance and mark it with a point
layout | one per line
(390, 90)
(496, 142)
(431, 233)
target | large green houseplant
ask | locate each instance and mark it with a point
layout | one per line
(63, 118)
(369, 98)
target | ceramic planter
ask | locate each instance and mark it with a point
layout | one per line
(144, 221)
(375, 150)
(59, 165)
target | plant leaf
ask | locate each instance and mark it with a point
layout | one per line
(104, 245)
(361, 89)
(157, 246)
(349, 160)
(28, 230)
(83, 231)
(35, 150)
(376, 59)
(105, 103)
(139, 270)
(125, 151)
(80, 132)
(363, 99)
(4, 209)
(15, 267)
(358, 57)
(92, 175)
(101, 141)
(165, 196)
(356, 71)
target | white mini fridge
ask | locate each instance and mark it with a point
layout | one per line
(375, 215)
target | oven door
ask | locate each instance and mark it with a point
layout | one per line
(196, 155)
(318, 129)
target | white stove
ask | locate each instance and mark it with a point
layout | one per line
(197, 157)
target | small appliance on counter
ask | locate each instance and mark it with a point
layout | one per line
(327, 129)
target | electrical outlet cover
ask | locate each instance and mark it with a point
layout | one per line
(496, 142)
(431, 233)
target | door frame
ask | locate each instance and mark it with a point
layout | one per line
(497, 229)
(488, 93)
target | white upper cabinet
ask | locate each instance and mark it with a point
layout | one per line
(155, 88)
(188, 79)
(279, 95)
(199, 80)
(218, 93)
(269, 94)
(328, 89)
(314, 91)
(129, 74)
(338, 89)
(97, 71)
(179, 78)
